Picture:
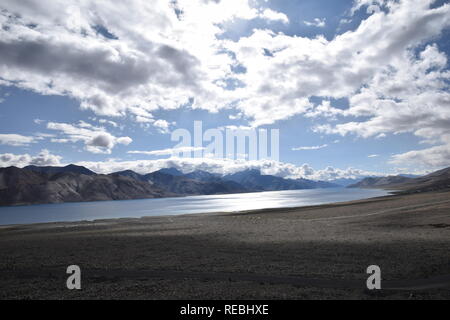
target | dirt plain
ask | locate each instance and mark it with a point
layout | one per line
(319, 252)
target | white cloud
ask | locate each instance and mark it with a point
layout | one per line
(372, 5)
(147, 56)
(16, 140)
(280, 85)
(110, 122)
(163, 125)
(272, 15)
(373, 9)
(310, 148)
(373, 156)
(228, 166)
(435, 157)
(162, 58)
(167, 152)
(219, 166)
(411, 97)
(96, 139)
(124, 140)
(317, 22)
(345, 21)
(38, 121)
(324, 110)
(44, 158)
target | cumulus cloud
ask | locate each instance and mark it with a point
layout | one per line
(124, 140)
(44, 158)
(300, 68)
(411, 97)
(272, 15)
(96, 139)
(120, 58)
(438, 156)
(371, 5)
(140, 56)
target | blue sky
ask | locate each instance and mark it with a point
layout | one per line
(357, 87)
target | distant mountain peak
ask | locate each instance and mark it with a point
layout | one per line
(171, 171)
(129, 173)
(254, 171)
(53, 170)
(126, 171)
(202, 175)
(253, 179)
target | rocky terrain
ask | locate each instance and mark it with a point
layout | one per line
(22, 186)
(436, 181)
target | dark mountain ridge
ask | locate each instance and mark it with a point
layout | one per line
(436, 181)
(32, 184)
(194, 183)
(22, 186)
(254, 180)
(69, 168)
(374, 182)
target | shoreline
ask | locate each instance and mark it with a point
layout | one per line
(170, 197)
(183, 214)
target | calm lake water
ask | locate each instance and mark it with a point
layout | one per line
(175, 206)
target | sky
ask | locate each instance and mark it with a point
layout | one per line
(355, 88)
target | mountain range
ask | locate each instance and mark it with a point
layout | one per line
(34, 185)
(195, 183)
(25, 186)
(377, 182)
(254, 180)
(436, 181)
(70, 168)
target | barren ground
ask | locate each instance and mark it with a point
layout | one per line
(319, 252)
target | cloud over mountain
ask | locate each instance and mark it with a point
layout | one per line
(228, 166)
(95, 139)
(43, 158)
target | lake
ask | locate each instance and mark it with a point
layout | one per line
(79, 211)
